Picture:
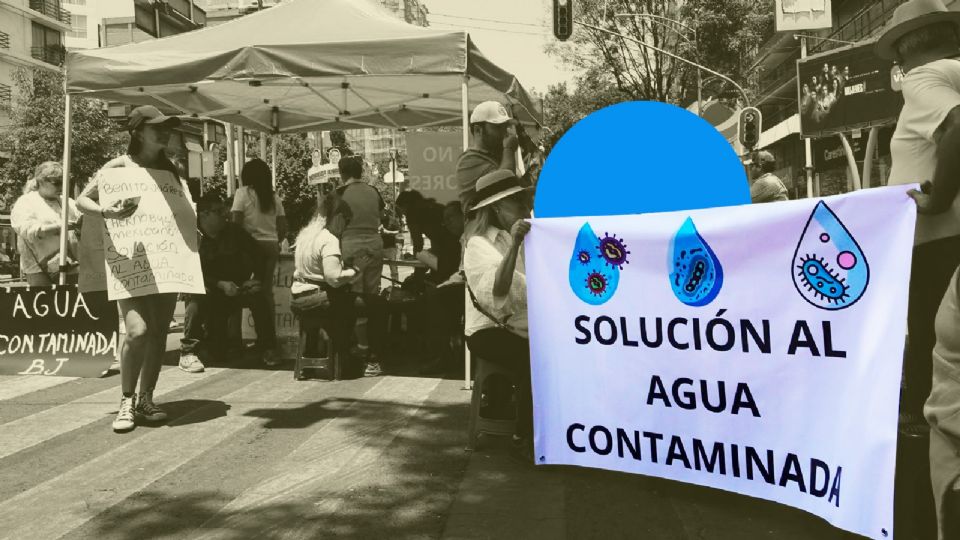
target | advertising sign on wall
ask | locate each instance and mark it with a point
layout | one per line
(843, 89)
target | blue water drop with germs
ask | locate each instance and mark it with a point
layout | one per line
(696, 275)
(829, 269)
(592, 279)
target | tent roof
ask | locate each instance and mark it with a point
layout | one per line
(303, 65)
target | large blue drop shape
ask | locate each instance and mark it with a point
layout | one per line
(638, 157)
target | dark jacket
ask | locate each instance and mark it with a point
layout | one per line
(232, 256)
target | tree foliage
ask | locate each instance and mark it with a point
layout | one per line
(36, 134)
(719, 34)
(294, 159)
(615, 69)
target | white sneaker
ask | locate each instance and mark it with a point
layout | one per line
(125, 417)
(147, 409)
(190, 363)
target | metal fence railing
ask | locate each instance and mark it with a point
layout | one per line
(861, 26)
(51, 54)
(52, 9)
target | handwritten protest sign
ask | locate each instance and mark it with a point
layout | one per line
(755, 349)
(56, 331)
(155, 249)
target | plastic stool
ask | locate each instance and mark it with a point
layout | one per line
(329, 367)
(478, 424)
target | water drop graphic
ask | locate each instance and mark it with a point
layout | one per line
(592, 276)
(696, 274)
(829, 269)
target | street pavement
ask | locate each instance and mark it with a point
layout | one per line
(250, 453)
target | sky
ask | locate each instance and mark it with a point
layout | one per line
(513, 35)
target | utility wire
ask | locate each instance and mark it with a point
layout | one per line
(462, 27)
(488, 20)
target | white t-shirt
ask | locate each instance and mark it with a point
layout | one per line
(930, 92)
(260, 225)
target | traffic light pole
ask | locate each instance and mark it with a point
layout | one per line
(743, 93)
(808, 164)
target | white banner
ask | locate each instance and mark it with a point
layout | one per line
(755, 349)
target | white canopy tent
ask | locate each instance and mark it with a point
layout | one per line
(304, 65)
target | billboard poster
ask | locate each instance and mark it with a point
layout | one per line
(802, 15)
(845, 89)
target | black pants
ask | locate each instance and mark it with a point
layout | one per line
(442, 309)
(207, 316)
(933, 265)
(512, 353)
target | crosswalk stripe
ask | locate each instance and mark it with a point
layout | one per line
(37, 428)
(91, 488)
(12, 386)
(330, 460)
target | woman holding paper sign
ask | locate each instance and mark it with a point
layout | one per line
(146, 318)
(496, 319)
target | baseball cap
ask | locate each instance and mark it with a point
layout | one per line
(148, 114)
(492, 112)
(764, 156)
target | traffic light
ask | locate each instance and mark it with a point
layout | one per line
(562, 19)
(749, 126)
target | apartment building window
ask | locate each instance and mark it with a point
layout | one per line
(47, 44)
(78, 24)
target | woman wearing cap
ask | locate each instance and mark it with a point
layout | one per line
(36, 217)
(496, 321)
(259, 209)
(146, 318)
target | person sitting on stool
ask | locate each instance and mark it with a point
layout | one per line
(232, 274)
(496, 322)
(318, 261)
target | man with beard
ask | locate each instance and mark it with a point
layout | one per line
(493, 145)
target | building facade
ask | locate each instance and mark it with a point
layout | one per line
(775, 65)
(31, 36)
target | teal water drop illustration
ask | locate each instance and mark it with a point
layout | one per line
(593, 277)
(830, 270)
(696, 275)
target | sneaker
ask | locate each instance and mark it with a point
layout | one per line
(147, 409)
(270, 358)
(125, 418)
(190, 363)
(373, 370)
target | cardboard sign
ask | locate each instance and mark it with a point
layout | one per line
(56, 331)
(755, 349)
(154, 250)
(432, 158)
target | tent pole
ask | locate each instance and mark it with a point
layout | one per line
(65, 194)
(465, 113)
(231, 161)
(263, 146)
(273, 160)
(275, 123)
